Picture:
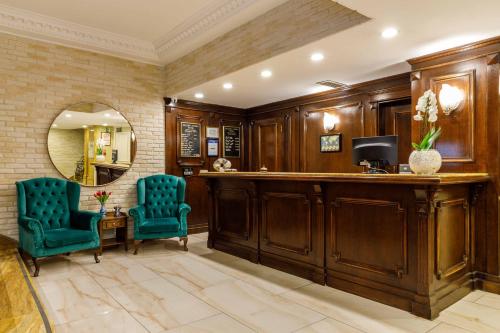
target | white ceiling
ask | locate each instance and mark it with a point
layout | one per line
(153, 31)
(76, 119)
(360, 54)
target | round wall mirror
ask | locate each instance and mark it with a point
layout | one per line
(91, 143)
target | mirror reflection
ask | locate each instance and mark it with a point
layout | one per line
(91, 143)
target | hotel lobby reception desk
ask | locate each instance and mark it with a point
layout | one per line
(403, 240)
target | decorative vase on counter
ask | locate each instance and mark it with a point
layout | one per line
(100, 158)
(425, 162)
(102, 211)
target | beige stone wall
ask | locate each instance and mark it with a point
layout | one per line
(65, 147)
(290, 25)
(37, 81)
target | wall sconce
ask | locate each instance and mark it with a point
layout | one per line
(450, 98)
(329, 121)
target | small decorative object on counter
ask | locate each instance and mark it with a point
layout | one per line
(221, 165)
(263, 169)
(425, 160)
(100, 156)
(102, 197)
(117, 210)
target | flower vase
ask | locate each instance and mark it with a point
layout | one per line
(425, 162)
(102, 211)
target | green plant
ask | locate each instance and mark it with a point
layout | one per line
(427, 114)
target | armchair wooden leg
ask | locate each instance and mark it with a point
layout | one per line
(185, 240)
(96, 257)
(37, 267)
(136, 246)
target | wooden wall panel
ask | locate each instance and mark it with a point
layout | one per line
(205, 115)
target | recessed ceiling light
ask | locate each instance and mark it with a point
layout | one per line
(54, 125)
(390, 33)
(84, 126)
(68, 115)
(227, 85)
(266, 73)
(104, 124)
(316, 57)
(199, 95)
(107, 115)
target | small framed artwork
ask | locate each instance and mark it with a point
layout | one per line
(331, 143)
(212, 147)
(106, 138)
(213, 132)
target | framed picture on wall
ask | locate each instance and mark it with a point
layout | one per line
(212, 147)
(106, 138)
(213, 132)
(331, 143)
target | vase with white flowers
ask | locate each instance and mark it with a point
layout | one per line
(425, 160)
(100, 157)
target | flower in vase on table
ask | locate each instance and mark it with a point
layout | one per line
(102, 197)
(425, 160)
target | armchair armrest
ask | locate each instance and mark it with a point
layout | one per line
(31, 224)
(184, 210)
(138, 214)
(85, 220)
(34, 227)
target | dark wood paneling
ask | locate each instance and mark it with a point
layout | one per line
(395, 118)
(369, 235)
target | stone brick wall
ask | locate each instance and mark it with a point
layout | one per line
(66, 148)
(290, 25)
(37, 81)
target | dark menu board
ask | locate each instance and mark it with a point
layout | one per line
(190, 140)
(231, 140)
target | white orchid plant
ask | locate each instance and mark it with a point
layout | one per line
(427, 114)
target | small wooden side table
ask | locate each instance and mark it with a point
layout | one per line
(120, 224)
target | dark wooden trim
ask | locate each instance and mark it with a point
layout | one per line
(193, 105)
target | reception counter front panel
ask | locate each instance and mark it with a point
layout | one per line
(404, 240)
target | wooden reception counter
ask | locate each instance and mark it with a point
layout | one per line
(404, 240)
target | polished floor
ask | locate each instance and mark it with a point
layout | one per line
(164, 289)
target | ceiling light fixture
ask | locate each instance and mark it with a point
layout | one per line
(107, 115)
(199, 95)
(68, 115)
(266, 73)
(104, 124)
(84, 126)
(317, 57)
(54, 125)
(227, 85)
(391, 32)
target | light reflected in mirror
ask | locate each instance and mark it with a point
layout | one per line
(91, 143)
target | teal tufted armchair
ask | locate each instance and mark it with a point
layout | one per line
(161, 211)
(50, 222)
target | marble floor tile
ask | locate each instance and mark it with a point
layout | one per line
(216, 324)
(474, 295)
(471, 316)
(447, 328)
(76, 298)
(264, 277)
(328, 325)
(160, 305)
(186, 272)
(257, 308)
(359, 312)
(490, 300)
(59, 267)
(119, 271)
(159, 247)
(114, 321)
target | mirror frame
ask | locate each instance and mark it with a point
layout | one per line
(111, 107)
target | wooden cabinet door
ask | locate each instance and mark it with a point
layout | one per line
(267, 144)
(395, 119)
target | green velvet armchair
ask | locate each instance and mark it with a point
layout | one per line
(161, 211)
(50, 222)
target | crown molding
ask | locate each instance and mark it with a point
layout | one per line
(33, 25)
(200, 22)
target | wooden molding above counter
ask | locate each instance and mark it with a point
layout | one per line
(437, 179)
